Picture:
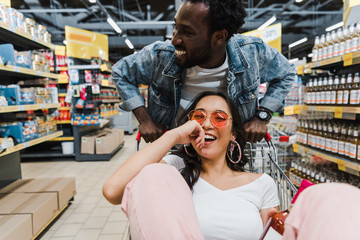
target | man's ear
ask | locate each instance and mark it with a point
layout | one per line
(219, 37)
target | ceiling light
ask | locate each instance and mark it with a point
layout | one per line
(267, 23)
(298, 42)
(298, 1)
(293, 60)
(92, 1)
(335, 26)
(114, 25)
(127, 41)
(310, 55)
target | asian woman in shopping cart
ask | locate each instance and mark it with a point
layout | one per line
(202, 190)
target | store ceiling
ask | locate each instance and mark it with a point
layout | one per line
(145, 21)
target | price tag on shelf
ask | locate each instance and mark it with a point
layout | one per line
(16, 69)
(26, 144)
(348, 59)
(63, 78)
(338, 112)
(296, 109)
(105, 83)
(42, 106)
(341, 165)
(289, 110)
(60, 50)
(103, 67)
(296, 148)
(300, 70)
(38, 73)
(21, 107)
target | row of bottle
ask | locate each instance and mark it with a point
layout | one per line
(333, 90)
(335, 137)
(337, 43)
(315, 170)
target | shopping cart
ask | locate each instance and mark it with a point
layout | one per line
(264, 157)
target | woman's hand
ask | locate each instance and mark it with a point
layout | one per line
(190, 132)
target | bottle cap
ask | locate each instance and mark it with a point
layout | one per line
(304, 184)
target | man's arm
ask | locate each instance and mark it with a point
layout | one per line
(149, 129)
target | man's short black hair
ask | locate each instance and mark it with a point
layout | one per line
(225, 14)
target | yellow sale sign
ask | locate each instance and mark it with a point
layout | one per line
(6, 2)
(271, 35)
(86, 44)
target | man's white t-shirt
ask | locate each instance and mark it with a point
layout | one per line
(234, 213)
(199, 79)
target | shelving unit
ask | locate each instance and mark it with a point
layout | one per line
(343, 163)
(10, 169)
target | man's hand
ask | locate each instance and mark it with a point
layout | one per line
(150, 130)
(255, 130)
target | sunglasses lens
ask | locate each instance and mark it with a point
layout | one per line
(219, 119)
(197, 115)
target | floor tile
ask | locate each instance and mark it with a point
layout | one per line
(111, 237)
(95, 222)
(88, 234)
(114, 228)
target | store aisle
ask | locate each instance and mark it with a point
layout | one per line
(90, 216)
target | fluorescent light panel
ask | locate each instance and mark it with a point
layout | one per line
(298, 42)
(267, 23)
(114, 25)
(293, 60)
(92, 1)
(298, 1)
(129, 44)
(333, 27)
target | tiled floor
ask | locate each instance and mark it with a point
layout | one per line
(90, 216)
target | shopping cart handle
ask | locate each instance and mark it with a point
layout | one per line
(138, 136)
(267, 137)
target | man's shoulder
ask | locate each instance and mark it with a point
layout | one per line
(243, 40)
(162, 46)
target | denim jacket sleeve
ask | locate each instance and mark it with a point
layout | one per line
(131, 71)
(279, 74)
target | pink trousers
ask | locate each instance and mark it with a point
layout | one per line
(328, 211)
(159, 205)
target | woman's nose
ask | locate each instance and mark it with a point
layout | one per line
(207, 123)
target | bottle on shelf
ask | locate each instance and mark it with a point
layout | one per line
(328, 137)
(347, 89)
(358, 151)
(311, 90)
(326, 91)
(358, 36)
(315, 50)
(355, 90)
(352, 144)
(321, 47)
(320, 138)
(332, 91)
(340, 91)
(343, 38)
(337, 40)
(342, 139)
(336, 89)
(315, 91)
(355, 39)
(351, 34)
(348, 140)
(319, 93)
(335, 138)
(275, 227)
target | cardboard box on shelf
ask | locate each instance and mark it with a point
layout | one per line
(64, 188)
(42, 207)
(17, 227)
(119, 134)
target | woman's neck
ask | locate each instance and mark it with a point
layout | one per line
(215, 167)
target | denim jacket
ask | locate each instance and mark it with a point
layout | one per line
(251, 62)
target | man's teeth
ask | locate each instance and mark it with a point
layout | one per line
(209, 137)
(178, 52)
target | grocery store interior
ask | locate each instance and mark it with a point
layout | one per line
(62, 133)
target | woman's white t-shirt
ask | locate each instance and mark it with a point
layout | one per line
(234, 213)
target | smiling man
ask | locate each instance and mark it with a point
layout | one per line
(206, 53)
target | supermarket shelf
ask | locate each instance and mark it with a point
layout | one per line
(30, 143)
(102, 67)
(111, 101)
(60, 139)
(63, 122)
(22, 40)
(343, 163)
(62, 95)
(64, 108)
(98, 157)
(47, 154)
(20, 108)
(25, 72)
(337, 110)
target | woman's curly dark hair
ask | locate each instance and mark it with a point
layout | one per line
(225, 14)
(193, 167)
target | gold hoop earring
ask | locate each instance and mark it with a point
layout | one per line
(230, 152)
